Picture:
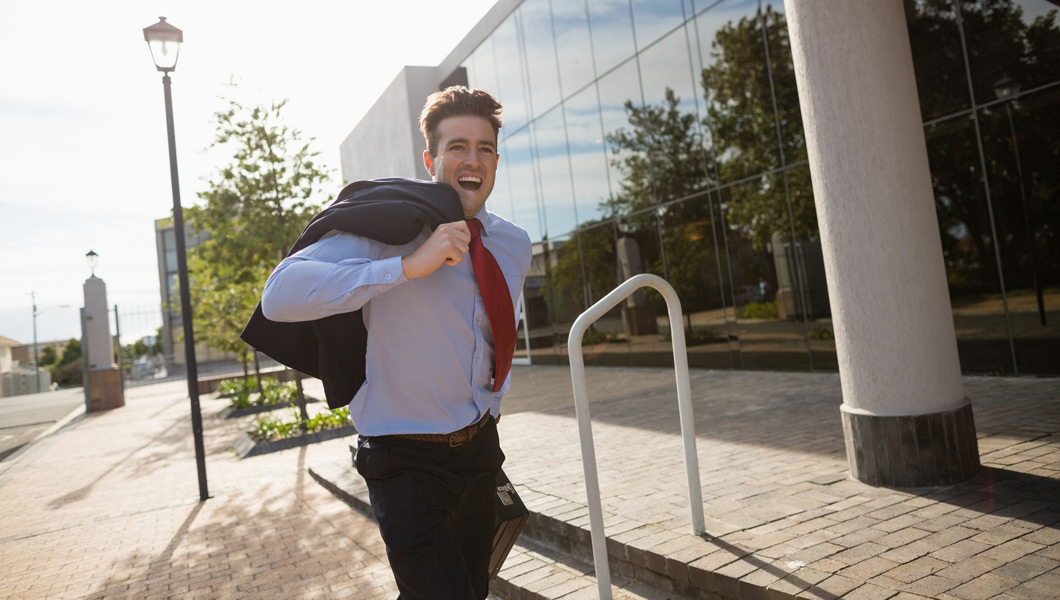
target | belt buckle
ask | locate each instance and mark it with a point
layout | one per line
(454, 438)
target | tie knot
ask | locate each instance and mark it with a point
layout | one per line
(475, 226)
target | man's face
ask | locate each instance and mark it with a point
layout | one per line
(466, 159)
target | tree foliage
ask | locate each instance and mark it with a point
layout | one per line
(740, 115)
(252, 210)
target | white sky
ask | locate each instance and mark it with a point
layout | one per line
(84, 162)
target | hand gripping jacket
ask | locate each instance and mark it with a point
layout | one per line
(391, 210)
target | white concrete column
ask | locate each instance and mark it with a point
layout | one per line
(104, 380)
(905, 414)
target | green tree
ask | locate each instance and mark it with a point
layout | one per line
(253, 209)
(739, 88)
(662, 158)
(48, 356)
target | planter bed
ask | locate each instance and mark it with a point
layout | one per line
(234, 413)
(245, 446)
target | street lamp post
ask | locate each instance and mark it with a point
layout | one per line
(164, 40)
(1008, 89)
(36, 349)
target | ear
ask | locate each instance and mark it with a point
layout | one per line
(428, 162)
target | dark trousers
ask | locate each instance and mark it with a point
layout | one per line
(435, 506)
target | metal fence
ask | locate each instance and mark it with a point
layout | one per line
(149, 350)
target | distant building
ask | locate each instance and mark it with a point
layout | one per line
(16, 375)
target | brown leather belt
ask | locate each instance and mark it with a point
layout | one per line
(457, 438)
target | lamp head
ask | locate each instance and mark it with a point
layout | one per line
(164, 40)
(1006, 87)
(92, 259)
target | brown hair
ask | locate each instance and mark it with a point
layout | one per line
(456, 101)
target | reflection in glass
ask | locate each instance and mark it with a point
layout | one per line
(968, 248)
(653, 19)
(571, 23)
(1011, 39)
(937, 58)
(696, 273)
(588, 155)
(553, 160)
(769, 320)
(519, 166)
(540, 52)
(739, 103)
(511, 90)
(481, 68)
(666, 66)
(615, 91)
(612, 34)
(1021, 140)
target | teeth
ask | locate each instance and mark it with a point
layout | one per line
(475, 179)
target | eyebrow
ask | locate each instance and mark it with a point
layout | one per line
(489, 143)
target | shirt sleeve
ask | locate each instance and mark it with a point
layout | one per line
(339, 273)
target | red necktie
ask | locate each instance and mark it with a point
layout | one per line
(498, 301)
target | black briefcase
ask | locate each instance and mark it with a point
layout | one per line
(511, 517)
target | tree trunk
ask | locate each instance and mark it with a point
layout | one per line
(257, 372)
(300, 398)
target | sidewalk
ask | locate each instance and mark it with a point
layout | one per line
(108, 507)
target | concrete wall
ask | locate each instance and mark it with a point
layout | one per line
(387, 141)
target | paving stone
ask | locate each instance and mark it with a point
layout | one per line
(983, 587)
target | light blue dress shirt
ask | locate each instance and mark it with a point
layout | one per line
(430, 349)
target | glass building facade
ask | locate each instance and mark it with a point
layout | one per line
(666, 137)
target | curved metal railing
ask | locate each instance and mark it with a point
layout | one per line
(581, 404)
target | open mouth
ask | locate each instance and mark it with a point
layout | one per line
(469, 183)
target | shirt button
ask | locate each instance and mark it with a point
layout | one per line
(389, 276)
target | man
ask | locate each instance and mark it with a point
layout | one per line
(426, 411)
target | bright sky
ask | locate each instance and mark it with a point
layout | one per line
(84, 162)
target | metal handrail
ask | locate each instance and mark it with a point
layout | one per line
(581, 405)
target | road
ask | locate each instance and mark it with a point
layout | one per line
(23, 418)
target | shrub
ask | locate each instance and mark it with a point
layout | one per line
(271, 428)
(758, 310)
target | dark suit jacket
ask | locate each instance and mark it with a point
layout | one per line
(393, 211)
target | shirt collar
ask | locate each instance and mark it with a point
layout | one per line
(485, 218)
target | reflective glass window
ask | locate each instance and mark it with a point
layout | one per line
(653, 19)
(612, 33)
(785, 92)
(739, 105)
(522, 184)
(1021, 140)
(482, 68)
(1015, 42)
(764, 285)
(694, 267)
(588, 155)
(968, 248)
(937, 57)
(669, 132)
(666, 66)
(616, 89)
(540, 53)
(511, 89)
(553, 162)
(574, 44)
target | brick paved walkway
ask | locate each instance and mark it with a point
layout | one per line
(108, 507)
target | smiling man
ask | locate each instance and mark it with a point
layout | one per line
(439, 317)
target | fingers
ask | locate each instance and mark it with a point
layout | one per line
(447, 244)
